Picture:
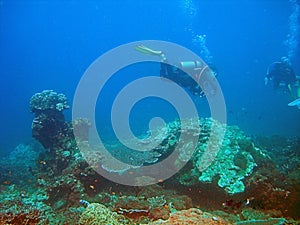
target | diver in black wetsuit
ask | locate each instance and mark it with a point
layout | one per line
(180, 77)
(177, 73)
(282, 74)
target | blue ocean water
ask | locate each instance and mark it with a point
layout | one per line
(50, 44)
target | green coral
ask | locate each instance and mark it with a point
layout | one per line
(98, 214)
(230, 174)
(215, 150)
(229, 162)
(157, 201)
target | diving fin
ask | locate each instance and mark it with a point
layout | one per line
(146, 50)
(295, 103)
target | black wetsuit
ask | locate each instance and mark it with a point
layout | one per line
(180, 77)
(281, 73)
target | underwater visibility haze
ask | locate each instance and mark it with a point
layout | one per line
(150, 112)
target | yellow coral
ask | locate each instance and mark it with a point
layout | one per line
(97, 214)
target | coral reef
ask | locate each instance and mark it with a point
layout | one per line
(48, 100)
(230, 162)
(20, 167)
(252, 216)
(52, 183)
(81, 128)
(192, 216)
(231, 165)
(30, 218)
(272, 221)
(97, 214)
(151, 203)
(49, 125)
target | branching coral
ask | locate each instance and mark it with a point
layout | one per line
(48, 100)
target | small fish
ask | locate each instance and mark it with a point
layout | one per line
(84, 202)
(248, 200)
(43, 162)
(7, 182)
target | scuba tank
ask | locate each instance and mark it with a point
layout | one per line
(195, 68)
(190, 65)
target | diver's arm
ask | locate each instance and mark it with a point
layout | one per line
(267, 77)
(271, 70)
(266, 80)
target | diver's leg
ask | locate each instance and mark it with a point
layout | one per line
(166, 70)
(163, 70)
(289, 87)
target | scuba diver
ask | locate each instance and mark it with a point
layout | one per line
(282, 74)
(196, 69)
